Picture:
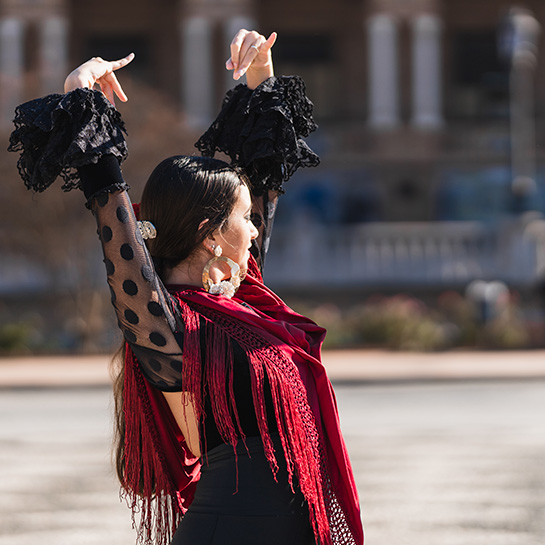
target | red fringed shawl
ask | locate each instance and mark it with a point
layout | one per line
(161, 474)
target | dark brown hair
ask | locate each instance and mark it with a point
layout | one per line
(180, 193)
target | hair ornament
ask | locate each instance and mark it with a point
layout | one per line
(147, 229)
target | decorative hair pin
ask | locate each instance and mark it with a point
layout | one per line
(147, 229)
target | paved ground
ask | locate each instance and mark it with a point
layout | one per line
(437, 462)
(452, 463)
(342, 365)
(56, 482)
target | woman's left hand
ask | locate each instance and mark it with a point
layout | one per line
(251, 55)
(101, 72)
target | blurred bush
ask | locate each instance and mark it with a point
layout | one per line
(399, 322)
(403, 322)
(15, 338)
(507, 330)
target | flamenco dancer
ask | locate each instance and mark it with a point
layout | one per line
(227, 428)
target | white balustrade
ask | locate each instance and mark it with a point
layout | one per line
(388, 254)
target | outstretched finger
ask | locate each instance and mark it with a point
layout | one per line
(116, 87)
(269, 42)
(116, 65)
(106, 88)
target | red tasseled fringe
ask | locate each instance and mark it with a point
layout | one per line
(296, 423)
(151, 492)
(146, 487)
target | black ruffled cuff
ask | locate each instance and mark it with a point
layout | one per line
(57, 134)
(101, 196)
(262, 131)
(100, 179)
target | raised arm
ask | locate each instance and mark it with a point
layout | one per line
(79, 135)
(261, 127)
(251, 54)
(143, 306)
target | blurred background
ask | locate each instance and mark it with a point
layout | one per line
(422, 228)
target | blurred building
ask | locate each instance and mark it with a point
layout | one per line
(413, 102)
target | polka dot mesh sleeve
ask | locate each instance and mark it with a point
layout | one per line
(144, 307)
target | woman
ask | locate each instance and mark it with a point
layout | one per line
(227, 424)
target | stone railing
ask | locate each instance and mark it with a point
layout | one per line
(308, 255)
(441, 254)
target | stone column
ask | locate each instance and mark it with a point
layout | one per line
(197, 75)
(231, 27)
(53, 54)
(383, 72)
(426, 72)
(11, 68)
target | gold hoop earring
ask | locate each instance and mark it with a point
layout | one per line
(227, 288)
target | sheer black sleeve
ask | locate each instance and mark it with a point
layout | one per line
(80, 137)
(145, 310)
(263, 131)
(263, 211)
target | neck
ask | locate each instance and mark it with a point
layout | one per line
(189, 272)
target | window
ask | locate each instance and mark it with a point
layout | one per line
(480, 80)
(313, 57)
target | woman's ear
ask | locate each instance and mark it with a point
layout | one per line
(209, 244)
(210, 241)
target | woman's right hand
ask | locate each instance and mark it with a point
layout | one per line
(251, 55)
(97, 70)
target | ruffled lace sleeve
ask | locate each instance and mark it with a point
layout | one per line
(80, 137)
(57, 134)
(262, 131)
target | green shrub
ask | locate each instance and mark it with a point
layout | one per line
(402, 322)
(15, 338)
(399, 323)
